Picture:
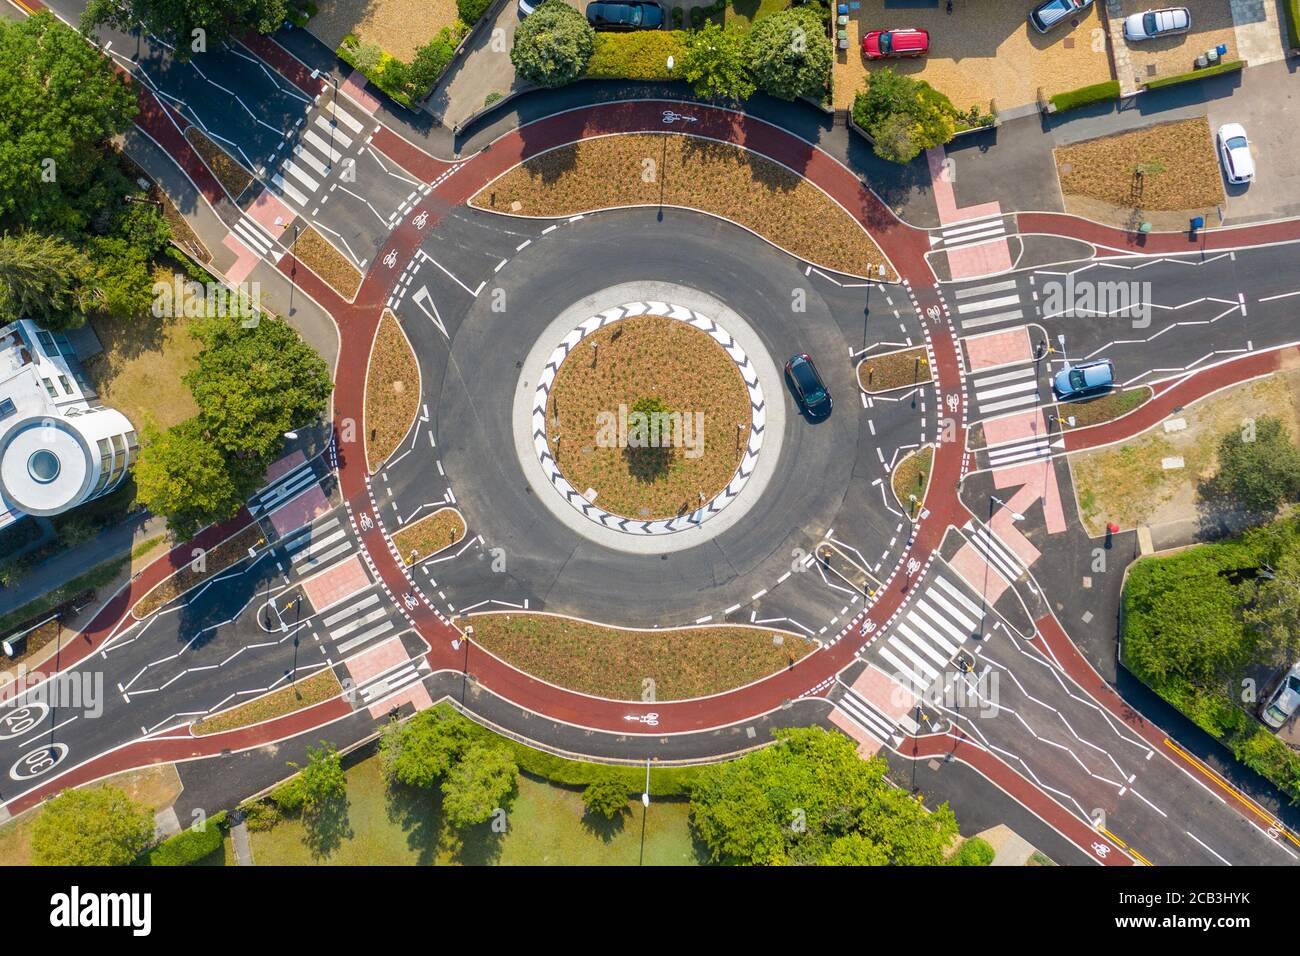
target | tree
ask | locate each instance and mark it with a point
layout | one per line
(973, 852)
(320, 784)
(42, 278)
(421, 751)
(100, 826)
(190, 26)
(606, 796)
(60, 100)
(1273, 614)
(478, 784)
(903, 115)
(715, 62)
(1259, 467)
(789, 54)
(811, 799)
(552, 46)
(182, 476)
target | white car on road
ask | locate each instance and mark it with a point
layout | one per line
(1234, 151)
(1157, 23)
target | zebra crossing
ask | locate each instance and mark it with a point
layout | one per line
(1020, 452)
(313, 547)
(256, 237)
(282, 489)
(359, 622)
(327, 134)
(1006, 390)
(922, 641)
(872, 719)
(981, 307)
(389, 682)
(997, 554)
(971, 232)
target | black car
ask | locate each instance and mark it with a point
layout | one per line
(808, 386)
(626, 15)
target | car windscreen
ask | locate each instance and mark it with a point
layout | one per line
(1149, 23)
(1076, 379)
(806, 380)
(1237, 142)
(886, 43)
(1056, 10)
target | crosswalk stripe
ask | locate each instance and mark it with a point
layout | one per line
(291, 483)
(286, 190)
(862, 715)
(367, 636)
(359, 623)
(921, 643)
(971, 624)
(1010, 403)
(966, 225)
(1002, 391)
(350, 610)
(1007, 555)
(944, 624)
(1027, 371)
(340, 137)
(917, 660)
(296, 539)
(993, 557)
(971, 291)
(924, 631)
(956, 593)
(974, 238)
(985, 304)
(344, 117)
(318, 545)
(251, 238)
(1007, 454)
(324, 147)
(903, 670)
(310, 158)
(300, 174)
(986, 320)
(313, 563)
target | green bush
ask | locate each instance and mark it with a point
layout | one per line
(189, 846)
(1292, 8)
(1224, 66)
(553, 45)
(471, 10)
(903, 115)
(697, 17)
(678, 18)
(260, 815)
(790, 54)
(432, 59)
(1085, 95)
(974, 852)
(640, 55)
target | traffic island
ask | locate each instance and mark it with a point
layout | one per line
(429, 535)
(392, 391)
(911, 479)
(891, 370)
(314, 251)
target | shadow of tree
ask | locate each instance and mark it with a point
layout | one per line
(326, 827)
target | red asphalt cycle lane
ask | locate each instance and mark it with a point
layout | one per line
(1113, 241)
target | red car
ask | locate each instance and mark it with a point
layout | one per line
(882, 44)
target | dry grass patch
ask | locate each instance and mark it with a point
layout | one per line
(321, 686)
(399, 27)
(317, 254)
(231, 551)
(1104, 408)
(615, 663)
(648, 357)
(717, 178)
(1179, 170)
(429, 535)
(911, 476)
(891, 370)
(392, 391)
(229, 171)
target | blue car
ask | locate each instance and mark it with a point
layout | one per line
(808, 386)
(1074, 381)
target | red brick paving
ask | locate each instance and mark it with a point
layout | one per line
(336, 584)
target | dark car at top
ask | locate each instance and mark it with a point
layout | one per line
(808, 386)
(626, 15)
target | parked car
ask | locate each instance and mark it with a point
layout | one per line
(808, 385)
(1053, 13)
(1157, 23)
(1074, 381)
(527, 6)
(885, 44)
(1284, 701)
(626, 15)
(1234, 150)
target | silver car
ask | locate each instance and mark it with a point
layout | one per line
(1052, 13)
(1157, 23)
(1280, 707)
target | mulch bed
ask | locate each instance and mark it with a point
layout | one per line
(912, 477)
(1104, 408)
(695, 173)
(431, 534)
(614, 663)
(891, 370)
(315, 252)
(321, 686)
(1179, 167)
(392, 392)
(231, 551)
(229, 171)
(656, 357)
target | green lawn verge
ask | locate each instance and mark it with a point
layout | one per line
(1292, 8)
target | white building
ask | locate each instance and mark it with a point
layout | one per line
(59, 446)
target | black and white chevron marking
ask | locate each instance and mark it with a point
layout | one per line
(758, 410)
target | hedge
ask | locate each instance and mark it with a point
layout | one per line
(189, 846)
(1225, 66)
(641, 55)
(1085, 95)
(471, 10)
(1292, 24)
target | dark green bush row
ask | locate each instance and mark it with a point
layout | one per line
(471, 10)
(700, 14)
(1085, 95)
(1224, 66)
(189, 846)
(1292, 24)
(641, 55)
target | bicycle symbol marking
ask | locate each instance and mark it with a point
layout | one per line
(650, 720)
(422, 219)
(390, 260)
(1101, 849)
(671, 117)
(366, 523)
(409, 600)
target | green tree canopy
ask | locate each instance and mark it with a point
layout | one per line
(99, 826)
(43, 278)
(903, 115)
(478, 784)
(190, 26)
(421, 751)
(715, 63)
(811, 799)
(789, 54)
(182, 475)
(1273, 611)
(1259, 466)
(320, 783)
(606, 796)
(552, 46)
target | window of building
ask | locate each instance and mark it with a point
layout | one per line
(50, 389)
(67, 386)
(7, 407)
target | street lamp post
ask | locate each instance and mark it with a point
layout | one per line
(293, 267)
(1015, 515)
(645, 809)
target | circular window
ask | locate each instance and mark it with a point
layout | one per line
(43, 466)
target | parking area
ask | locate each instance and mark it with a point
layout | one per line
(1145, 60)
(980, 53)
(1267, 104)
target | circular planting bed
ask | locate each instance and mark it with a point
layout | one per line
(649, 417)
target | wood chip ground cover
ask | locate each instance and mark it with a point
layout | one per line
(614, 663)
(431, 534)
(912, 477)
(216, 560)
(321, 686)
(890, 370)
(229, 172)
(655, 357)
(313, 251)
(392, 392)
(717, 178)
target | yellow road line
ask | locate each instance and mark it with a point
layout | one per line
(1233, 791)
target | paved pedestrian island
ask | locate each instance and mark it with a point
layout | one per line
(336, 584)
(385, 678)
(997, 349)
(873, 709)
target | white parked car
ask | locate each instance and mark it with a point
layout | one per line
(1234, 151)
(527, 6)
(1277, 710)
(1157, 23)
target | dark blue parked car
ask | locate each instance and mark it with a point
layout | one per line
(808, 386)
(625, 15)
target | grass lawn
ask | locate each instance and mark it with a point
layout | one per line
(315, 252)
(611, 662)
(139, 372)
(231, 551)
(912, 477)
(392, 392)
(648, 357)
(429, 535)
(740, 15)
(1105, 408)
(1179, 168)
(322, 685)
(890, 370)
(717, 178)
(545, 826)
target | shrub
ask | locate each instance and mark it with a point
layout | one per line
(903, 115)
(974, 852)
(1085, 95)
(99, 826)
(606, 796)
(471, 10)
(697, 17)
(190, 846)
(432, 59)
(641, 55)
(790, 55)
(678, 18)
(715, 64)
(553, 45)
(491, 98)
(1224, 66)
(260, 815)
(1292, 8)
(1259, 469)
